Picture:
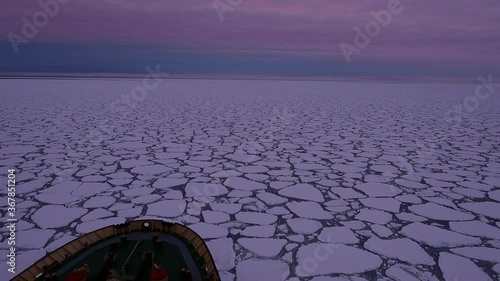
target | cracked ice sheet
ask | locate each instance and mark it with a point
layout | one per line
(265, 179)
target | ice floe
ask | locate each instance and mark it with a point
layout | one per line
(310, 210)
(376, 189)
(329, 258)
(266, 247)
(438, 212)
(54, 216)
(259, 231)
(256, 218)
(166, 208)
(402, 249)
(476, 228)
(266, 196)
(222, 251)
(243, 184)
(489, 209)
(253, 269)
(479, 253)
(457, 268)
(437, 237)
(303, 226)
(338, 235)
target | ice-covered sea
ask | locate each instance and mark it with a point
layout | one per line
(317, 181)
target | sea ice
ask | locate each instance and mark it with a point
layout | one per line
(303, 226)
(96, 214)
(99, 202)
(401, 272)
(264, 231)
(479, 253)
(223, 253)
(229, 208)
(402, 249)
(334, 259)
(33, 238)
(151, 169)
(56, 199)
(437, 237)
(384, 204)
(376, 189)
(90, 189)
(374, 216)
(457, 268)
(253, 269)
(338, 235)
(347, 193)
(220, 166)
(199, 189)
(55, 216)
(495, 195)
(309, 210)
(166, 208)
(476, 228)
(87, 227)
(381, 230)
(256, 218)
(207, 231)
(243, 184)
(302, 191)
(265, 247)
(164, 183)
(214, 216)
(438, 212)
(271, 199)
(489, 209)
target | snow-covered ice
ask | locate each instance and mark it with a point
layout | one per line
(313, 181)
(311, 210)
(479, 253)
(256, 218)
(436, 236)
(223, 253)
(303, 226)
(302, 191)
(253, 269)
(438, 212)
(334, 259)
(266, 247)
(402, 249)
(338, 235)
(455, 267)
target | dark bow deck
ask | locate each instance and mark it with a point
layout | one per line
(136, 251)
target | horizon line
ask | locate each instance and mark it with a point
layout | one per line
(89, 76)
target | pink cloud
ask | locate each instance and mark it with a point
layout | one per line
(452, 30)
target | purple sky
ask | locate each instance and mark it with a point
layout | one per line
(455, 32)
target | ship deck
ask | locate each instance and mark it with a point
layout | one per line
(173, 255)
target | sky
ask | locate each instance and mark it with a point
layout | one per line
(456, 39)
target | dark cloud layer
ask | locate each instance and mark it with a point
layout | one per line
(268, 37)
